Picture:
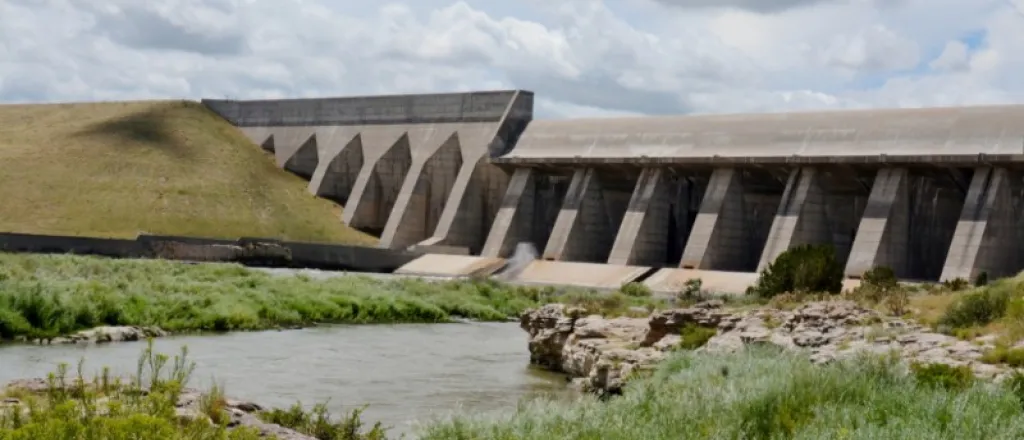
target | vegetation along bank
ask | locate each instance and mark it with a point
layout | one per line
(46, 296)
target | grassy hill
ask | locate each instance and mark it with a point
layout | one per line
(169, 167)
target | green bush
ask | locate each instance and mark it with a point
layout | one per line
(880, 278)
(878, 285)
(979, 307)
(943, 376)
(801, 269)
(956, 284)
(693, 289)
(637, 290)
(1015, 385)
(1002, 354)
(981, 280)
(319, 424)
(695, 336)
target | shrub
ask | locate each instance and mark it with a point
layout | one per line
(695, 336)
(978, 308)
(1002, 354)
(956, 284)
(1015, 385)
(881, 278)
(692, 289)
(319, 424)
(636, 290)
(805, 268)
(943, 376)
(981, 279)
(897, 302)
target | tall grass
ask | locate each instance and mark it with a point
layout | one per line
(74, 407)
(50, 295)
(762, 394)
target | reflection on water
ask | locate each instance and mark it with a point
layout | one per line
(403, 372)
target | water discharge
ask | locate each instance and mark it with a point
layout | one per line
(524, 254)
(405, 373)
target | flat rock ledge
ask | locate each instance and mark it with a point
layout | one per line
(242, 413)
(600, 354)
(105, 334)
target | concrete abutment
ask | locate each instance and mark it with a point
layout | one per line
(590, 215)
(661, 213)
(735, 219)
(820, 205)
(437, 158)
(528, 211)
(990, 228)
(336, 176)
(909, 222)
(379, 182)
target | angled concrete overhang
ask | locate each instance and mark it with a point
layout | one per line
(436, 108)
(952, 135)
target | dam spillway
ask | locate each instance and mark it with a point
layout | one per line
(933, 193)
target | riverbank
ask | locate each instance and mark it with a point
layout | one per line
(601, 353)
(938, 362)
(761, 393)
(979, 329)
(155, 403)
(47, 296)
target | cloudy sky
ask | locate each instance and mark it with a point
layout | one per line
(581, 57)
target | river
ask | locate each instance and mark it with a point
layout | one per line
(406, 373)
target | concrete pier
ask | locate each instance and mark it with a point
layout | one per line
(990, 227)
(734, 221)
(643, 237)
(933, 193)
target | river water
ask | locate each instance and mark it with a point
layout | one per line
(407, 374)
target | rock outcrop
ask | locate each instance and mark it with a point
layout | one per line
(599, 354)
(106, 334)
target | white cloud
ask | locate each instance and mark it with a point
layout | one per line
(581, 57)
(954, 57)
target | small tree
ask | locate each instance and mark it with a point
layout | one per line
(802, 269)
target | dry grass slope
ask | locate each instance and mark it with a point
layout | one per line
(169, 167)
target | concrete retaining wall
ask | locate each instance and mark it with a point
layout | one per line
(248, 251)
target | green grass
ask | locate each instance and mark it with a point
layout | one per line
(173, 167)
(74, 407)
(50, 295)
(763, 394)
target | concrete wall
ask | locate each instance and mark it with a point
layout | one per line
(243, 250)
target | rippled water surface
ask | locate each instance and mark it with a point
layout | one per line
(405, 373)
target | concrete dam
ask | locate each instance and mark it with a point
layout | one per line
(465, 178)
